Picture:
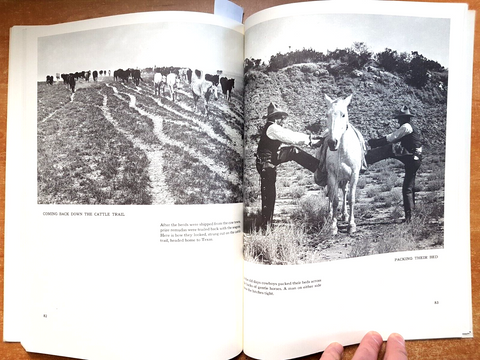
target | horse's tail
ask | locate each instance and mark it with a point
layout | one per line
(321, 176)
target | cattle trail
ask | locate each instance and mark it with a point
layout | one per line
(158, 130)
(49, 115)
(207, 129)
(160, 193)
(232, 134)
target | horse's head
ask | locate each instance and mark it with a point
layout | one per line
(337, 120)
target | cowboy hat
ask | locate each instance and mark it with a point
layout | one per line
(274, 110)
(404, 111)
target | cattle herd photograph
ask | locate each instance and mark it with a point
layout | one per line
(150, 136)
(139, 135)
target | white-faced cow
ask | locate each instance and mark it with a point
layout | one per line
(202, 88)
(213, 78)
(159, 82)
(172, 85)
(49, 79)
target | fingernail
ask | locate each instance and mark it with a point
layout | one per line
(337, 347)
(398, 338)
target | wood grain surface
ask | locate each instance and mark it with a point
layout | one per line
(44, 12)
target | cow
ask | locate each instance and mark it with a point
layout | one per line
(121, 74)
(182, 73)
(71, 82)
(159, 82)
(49, 79)
(136, 76)
(87, 75)
(65, 78)
(79, 74)
(189, 76)
(213, 78)
(202, 88)
(227, 87)
(95, 75)
(172, 85)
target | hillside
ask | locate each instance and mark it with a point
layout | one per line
(377, 94)
(301, 206)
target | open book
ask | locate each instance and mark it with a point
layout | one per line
(133, 197)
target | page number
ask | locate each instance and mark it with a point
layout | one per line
(436, 302)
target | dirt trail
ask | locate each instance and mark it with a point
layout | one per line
(234, 141)
(160, 193)
(156, 164)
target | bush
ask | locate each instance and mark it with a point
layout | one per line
(312, 212)
(279, 245)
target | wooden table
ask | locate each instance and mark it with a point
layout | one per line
(43, 12)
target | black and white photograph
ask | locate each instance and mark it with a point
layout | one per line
(141, 114)
(345, 136)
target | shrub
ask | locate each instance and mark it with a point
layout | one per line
(312, 212)
(280, 245)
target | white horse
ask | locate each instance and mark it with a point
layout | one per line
(344, 158)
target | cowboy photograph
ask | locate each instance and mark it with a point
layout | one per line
(345, 137)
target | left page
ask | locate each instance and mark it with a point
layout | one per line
(124, 187)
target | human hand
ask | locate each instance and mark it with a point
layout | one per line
(370, 347)
(316, 141)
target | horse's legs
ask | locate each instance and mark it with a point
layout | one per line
(206, 108)
(352, 227)
(195, 99)
(333, 205)
(344, 214)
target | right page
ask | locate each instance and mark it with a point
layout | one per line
(372, 98)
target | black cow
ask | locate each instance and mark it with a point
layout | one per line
(121, 74)
(136, 76)
(189, 76)
(213, 78)
(95, 75)
(227, 87)
(50, 79)
(79, 74)
(71, 82)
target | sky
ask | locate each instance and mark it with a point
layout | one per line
(428, 36)
(199, 46)
(211, 47)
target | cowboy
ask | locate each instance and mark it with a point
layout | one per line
(404, 144)
(270, 154)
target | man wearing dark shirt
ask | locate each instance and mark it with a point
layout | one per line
(270, 154)
(407, 148)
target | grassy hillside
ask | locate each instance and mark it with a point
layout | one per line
(301, 206)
